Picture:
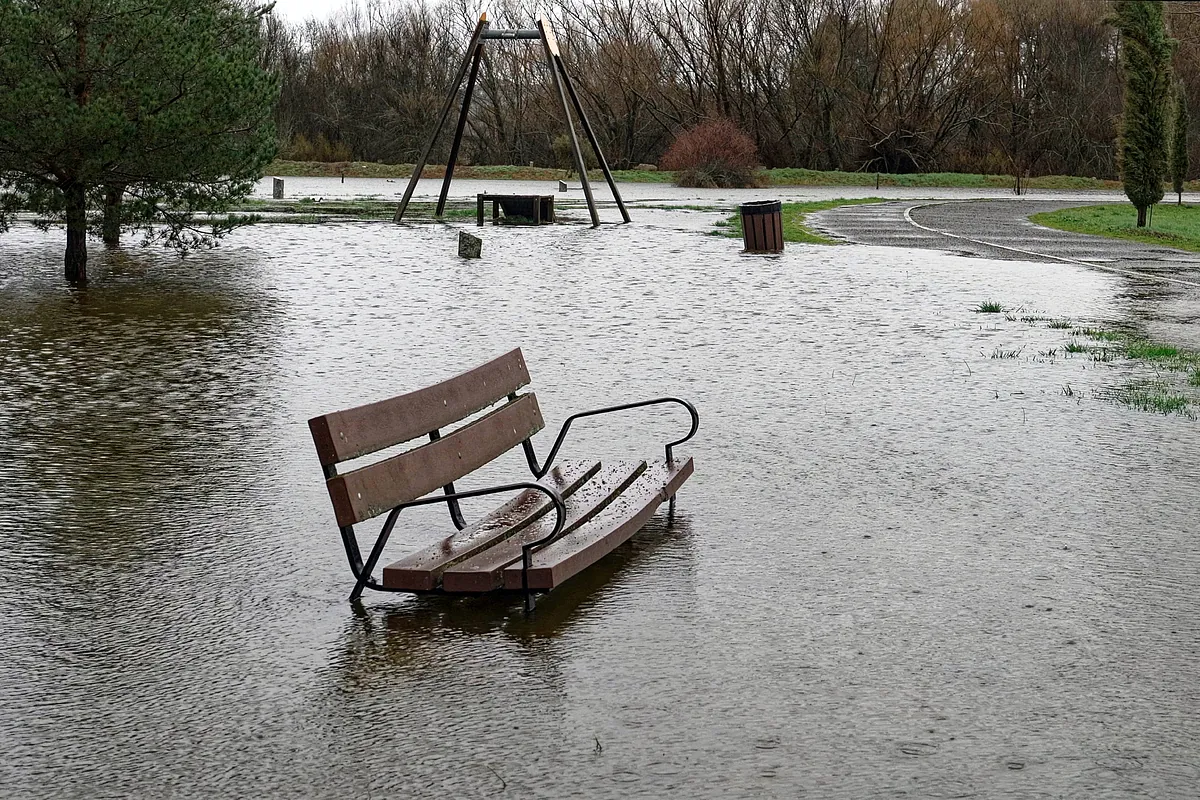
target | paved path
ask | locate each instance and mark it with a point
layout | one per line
(1163, 283)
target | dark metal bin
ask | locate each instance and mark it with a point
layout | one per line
(762, 226)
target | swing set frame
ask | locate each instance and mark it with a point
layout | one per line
(566, 94)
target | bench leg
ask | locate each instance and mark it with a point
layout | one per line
(526, 562)
(373, 559)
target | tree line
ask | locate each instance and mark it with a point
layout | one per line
(1021, 87)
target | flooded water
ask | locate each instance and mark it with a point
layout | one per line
(637, 193)
(903, 568)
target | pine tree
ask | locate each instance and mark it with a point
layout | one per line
(1179, 143)
(1146, 52)
(152, 111)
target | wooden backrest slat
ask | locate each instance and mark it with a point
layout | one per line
(372, 490)
(355, 432)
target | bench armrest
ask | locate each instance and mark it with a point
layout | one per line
(562, 434)
(364, 573)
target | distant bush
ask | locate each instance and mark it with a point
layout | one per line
(713, 155)
(564, 154)
(301, 148)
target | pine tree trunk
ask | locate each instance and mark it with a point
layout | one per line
(76, 259)
(1141, 223)
(111, 232)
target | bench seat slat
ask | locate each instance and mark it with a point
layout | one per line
(375, 489)
(355, 432)
(570, 555)
(421, 571)
(482, 572)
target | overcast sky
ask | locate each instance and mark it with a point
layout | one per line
(300, 10)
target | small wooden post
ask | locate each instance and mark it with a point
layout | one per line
(277, 188)
(469, 246)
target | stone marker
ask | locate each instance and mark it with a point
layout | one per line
(562, 186)
(469, 246)
(277, 188)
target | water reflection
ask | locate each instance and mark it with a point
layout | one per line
(130, 406)
(410, 634)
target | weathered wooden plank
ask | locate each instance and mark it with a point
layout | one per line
(343, 435)
(422, 571)
(482, 572)
(571, 554)
(372, 490)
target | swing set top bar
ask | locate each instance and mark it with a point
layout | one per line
(528, 33)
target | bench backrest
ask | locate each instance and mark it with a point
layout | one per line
(371, 490)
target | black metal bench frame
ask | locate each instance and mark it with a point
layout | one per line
(363, 570)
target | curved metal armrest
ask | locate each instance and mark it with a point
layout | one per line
(364, 576)
(553, 494)
(562, 434)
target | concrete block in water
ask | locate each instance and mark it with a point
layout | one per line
(277, 188)
(562, 186)
(469, 246)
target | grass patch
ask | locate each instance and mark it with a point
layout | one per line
(1194, 378)
(1155, 397)
(1102, 335)
(1060, 324)
(988, 307)
(1167, 356)
(1075, 347)
(794, 215)
(1150, 351)
(1173, 225)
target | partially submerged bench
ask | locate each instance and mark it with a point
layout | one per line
(536, 209)
(560, 521)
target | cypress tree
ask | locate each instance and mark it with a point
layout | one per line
(1179, 143)
(1146, 52)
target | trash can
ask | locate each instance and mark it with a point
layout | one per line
(762, 226)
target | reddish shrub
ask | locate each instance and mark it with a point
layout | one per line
(713, 154)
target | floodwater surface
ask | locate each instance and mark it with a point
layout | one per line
(903, 568)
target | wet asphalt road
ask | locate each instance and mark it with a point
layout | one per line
(1165, 282)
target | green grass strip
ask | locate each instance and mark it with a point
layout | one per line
(781, 176)
(1173, 225)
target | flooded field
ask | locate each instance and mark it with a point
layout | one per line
(903, 568)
